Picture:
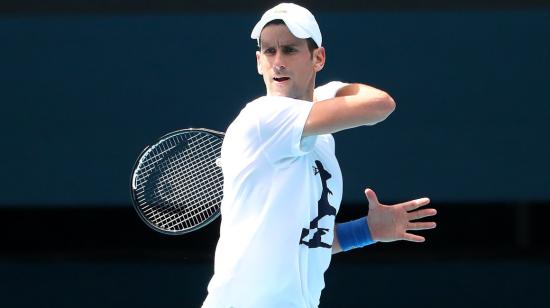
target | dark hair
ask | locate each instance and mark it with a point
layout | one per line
(311, 45)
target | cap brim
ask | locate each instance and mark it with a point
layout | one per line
(296, 30)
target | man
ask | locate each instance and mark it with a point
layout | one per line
(282, 182)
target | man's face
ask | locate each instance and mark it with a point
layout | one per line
(286, 64)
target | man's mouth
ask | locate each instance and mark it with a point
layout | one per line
(281, 79)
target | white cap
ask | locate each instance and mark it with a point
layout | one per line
(299, 21)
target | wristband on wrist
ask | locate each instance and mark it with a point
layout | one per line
(354, 234)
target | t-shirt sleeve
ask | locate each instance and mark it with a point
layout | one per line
(328, 90)
(281, 122)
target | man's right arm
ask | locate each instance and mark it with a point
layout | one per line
(354, 105)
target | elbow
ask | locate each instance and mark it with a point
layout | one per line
(386, 105)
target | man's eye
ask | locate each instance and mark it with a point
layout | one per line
(269, 51)
(289, 50)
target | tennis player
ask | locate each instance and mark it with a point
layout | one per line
(282, 182)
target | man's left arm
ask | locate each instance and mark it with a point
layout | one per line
(384, 223)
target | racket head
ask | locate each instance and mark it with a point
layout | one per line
(177, 182)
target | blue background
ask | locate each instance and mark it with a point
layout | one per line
(82, 95)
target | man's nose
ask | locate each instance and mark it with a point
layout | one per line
(279, 63)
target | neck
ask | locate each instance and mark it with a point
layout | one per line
(307, 95)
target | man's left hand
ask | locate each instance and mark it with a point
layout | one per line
(388, 223)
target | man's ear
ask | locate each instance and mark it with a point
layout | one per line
(258, 64)
(319, 57)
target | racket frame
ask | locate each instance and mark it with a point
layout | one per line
(133, 185)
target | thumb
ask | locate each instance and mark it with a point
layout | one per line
(373, 199)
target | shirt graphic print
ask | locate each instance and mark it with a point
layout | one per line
(324, 208)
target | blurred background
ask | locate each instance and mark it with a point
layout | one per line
(86, 85)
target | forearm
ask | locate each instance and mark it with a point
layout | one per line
(377, 103)
(354, 105)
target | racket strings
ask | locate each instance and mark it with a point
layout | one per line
(180, 174)
(171, 204)
(185, 183)
(190, 185)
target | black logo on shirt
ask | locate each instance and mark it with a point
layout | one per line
(324, 209)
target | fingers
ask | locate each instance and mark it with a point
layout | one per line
(417, 226)
(371, 196)
(421, 225)
(414, 238)
(414, 204)
(421, 214)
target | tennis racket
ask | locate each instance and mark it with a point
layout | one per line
(177, 183)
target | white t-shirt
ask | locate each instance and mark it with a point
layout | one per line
(281, 196)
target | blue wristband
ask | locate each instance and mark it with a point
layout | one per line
(354, 234)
